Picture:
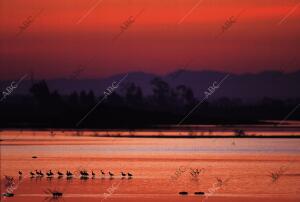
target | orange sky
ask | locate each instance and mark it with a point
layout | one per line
(55, 44)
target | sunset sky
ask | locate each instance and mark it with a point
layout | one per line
(165, 36)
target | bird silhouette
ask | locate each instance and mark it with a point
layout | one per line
(84, 173)
(8, 178)
(49, 173)
(123, 174)
(20, 173)
(129, 175)
(69, 174)
(103, 173)
(110, 174)
(41, 173)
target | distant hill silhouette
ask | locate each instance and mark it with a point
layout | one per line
(249, 87)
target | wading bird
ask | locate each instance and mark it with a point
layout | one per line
(49, 173)
(129, 175)
(84, 173)
(41, 173)
(69, 174)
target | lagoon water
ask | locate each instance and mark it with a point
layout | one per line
(245, 164)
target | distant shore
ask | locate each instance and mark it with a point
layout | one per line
(171, 131)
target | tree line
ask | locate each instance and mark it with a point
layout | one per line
(128, 107)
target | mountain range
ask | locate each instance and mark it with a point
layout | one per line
(247, 86)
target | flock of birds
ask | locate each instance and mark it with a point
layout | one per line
(69, 174)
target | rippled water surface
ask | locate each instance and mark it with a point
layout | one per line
(244, 165)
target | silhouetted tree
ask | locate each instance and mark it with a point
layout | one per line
(114, 99)
(133, 95)
(223, 102)
(185, 95)
(90, 98)
(73, 99)
(83, 98)
(56, 98)
(161, 92)
(41, 92)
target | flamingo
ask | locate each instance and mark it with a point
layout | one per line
(103, 173)
(129, 174)
(20, 173)
(32, 174)
(42, 174)
(123, 174)
(69, 174)
(59, 173)
(111, 174)
(49, 173)
(84, 173)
